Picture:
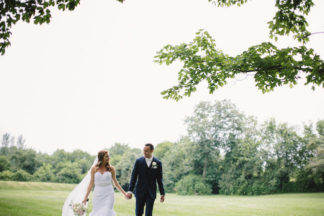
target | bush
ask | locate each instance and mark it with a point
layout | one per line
(6, 175)
(44, 173)
(193, 185)
(69, 175)
(4, 163)
(21, 175)
(226, 183)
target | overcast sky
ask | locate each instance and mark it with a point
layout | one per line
(88, 80)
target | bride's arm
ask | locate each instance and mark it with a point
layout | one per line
(113, 174)
(93, 170)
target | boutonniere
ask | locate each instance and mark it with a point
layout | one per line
(154, 165)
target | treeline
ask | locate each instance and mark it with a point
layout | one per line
(19, 163)
(227, 152)
(24, 164)
(223, 152)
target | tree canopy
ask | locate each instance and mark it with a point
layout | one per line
(270, 66)
(11, 11)
(289, 18)
(202, 61)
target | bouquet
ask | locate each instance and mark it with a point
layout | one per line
(78, 208)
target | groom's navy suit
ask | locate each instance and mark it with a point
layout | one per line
(143, 184)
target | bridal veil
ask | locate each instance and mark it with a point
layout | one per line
(78, 193)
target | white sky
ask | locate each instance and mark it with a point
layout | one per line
(88, 80)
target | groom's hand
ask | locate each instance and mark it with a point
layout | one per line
(162, 198)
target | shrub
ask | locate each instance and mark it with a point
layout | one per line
(21, 175)
(44, 173)
(4, 163)
(193, 184)
(69, 175)
(6, 175)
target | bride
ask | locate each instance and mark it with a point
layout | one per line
(102, 176)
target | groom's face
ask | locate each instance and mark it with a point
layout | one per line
(147, 152)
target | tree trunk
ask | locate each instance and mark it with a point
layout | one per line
(205, 167)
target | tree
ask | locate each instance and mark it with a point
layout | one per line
(12, 141)
(116, 152)
(320, 127)
(60, 156)
(5, 140)
(285, 154)
(24, 159)
(44, 173)
(289, 18)
(78, 155)
(70, 173)
(21, 142)
(162, 148)
(125, 165)
(4, 163)
(11, 11)
(6, 175)
(270, 66)
(241, 169)
(177, 163)
(211, 128)
(193, 185)
(21, 175)
(316, 164)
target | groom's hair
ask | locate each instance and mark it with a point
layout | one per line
(150, 145)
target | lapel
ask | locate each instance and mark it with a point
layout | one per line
(151, 163)
(145, 164)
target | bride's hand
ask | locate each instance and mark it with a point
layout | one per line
(84, 202)
(126, 196)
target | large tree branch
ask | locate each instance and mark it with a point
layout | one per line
(289, 17)
(272, 67)
(11, 11)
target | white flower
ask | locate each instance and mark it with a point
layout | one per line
(78, 208)
(154, 165)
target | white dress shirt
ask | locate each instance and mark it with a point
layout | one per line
(149, 161)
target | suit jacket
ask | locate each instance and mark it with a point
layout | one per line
(144, 178)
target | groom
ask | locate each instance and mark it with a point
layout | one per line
(146, 173)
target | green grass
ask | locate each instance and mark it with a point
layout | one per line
(46, 199)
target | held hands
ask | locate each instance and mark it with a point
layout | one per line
(128, 195)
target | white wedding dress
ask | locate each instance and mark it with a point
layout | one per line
(103, 195)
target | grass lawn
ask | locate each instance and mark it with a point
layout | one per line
(46, 199)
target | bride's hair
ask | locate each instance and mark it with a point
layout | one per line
(101, 155)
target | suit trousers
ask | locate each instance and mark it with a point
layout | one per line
(144, 201)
